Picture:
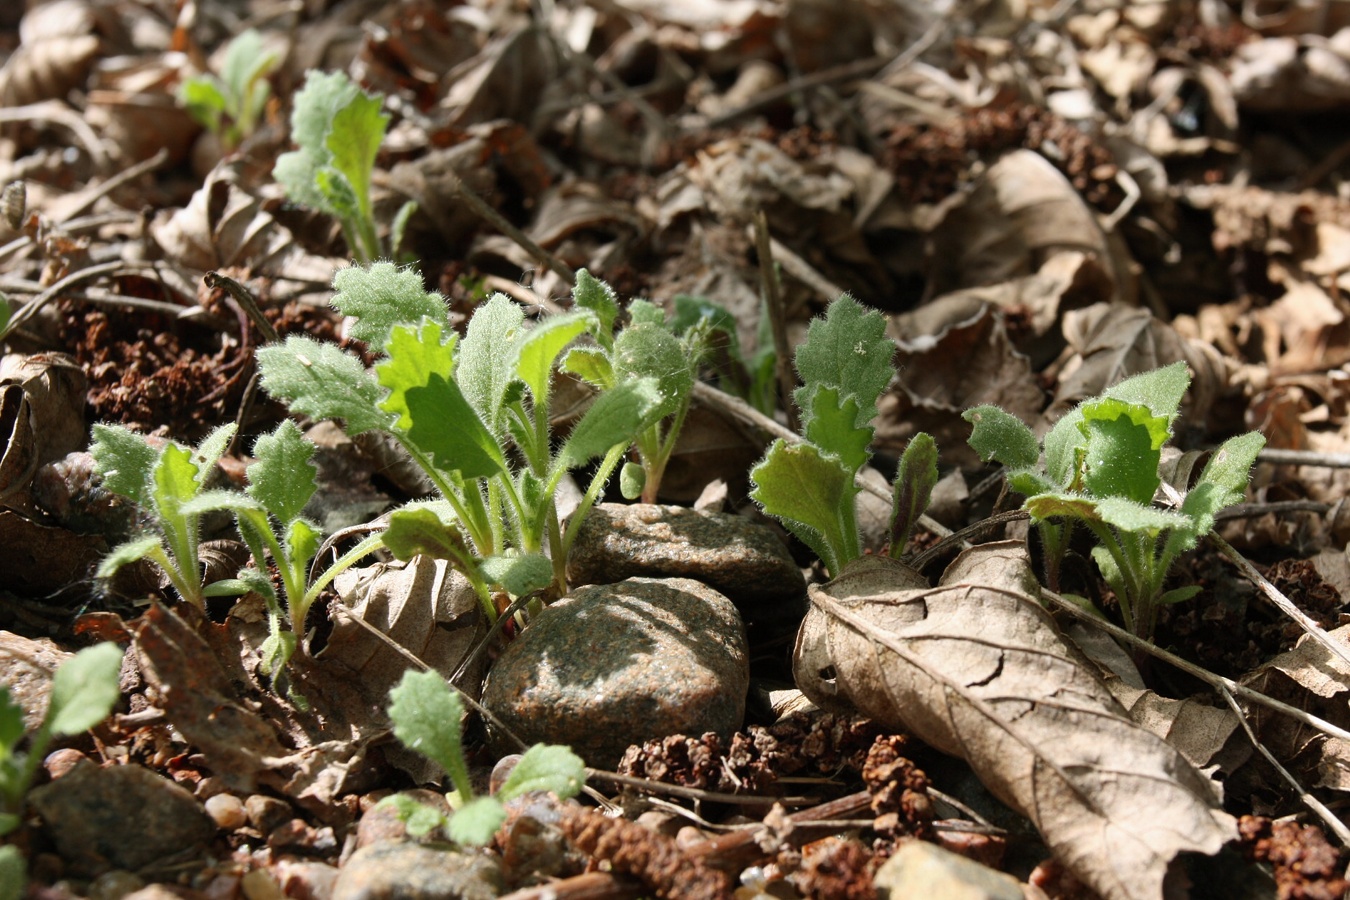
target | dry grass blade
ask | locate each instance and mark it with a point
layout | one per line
(976, 668)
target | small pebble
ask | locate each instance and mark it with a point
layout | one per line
(267, 813)
(258, 884)
(59, 762)
(115, 885)
(227, 811)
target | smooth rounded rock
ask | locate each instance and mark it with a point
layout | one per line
(618, 664)
(742, 559)
(401, 871)
(123, 817)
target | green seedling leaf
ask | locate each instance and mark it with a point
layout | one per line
(545, 767)
(212, 447)
(11, 723)
(692, 312)
(339, 199)
(381, 296)
(419, 819)
(1229, 469)
(204, 100)
(1065, 446)
(125, 461)
(474, 823)
(830, 421)
(646, 313)
(518, 575)
(426, 716)
(353, 142)
(651, 351)
(417, 530)
(632, 478)
(847, 350)
(915, 478)
(6, 310)
(1002, 437)
(812, 494)
(1122, 450)
(445, 427)
(591, 365)
(537, 351)
(283, 478)
(320, 381)
(1179, 595)
(276, 650)
(84, 689)
(1128, 515)
(13, 869)
(591, 293)
(213, 501)
(126, 553)
(316, 104)
(485, 370)
(246, 62)
(1073, 506)
(1160, 390)
(614, 417)
(176, 479)
(398, 229)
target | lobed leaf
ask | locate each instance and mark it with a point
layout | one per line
(426, 718)
(125, 461)
(848, 350)
(381, 296)
(317, 379)
(323, 94)
(831, 421)
(353, 141)
(591, 293)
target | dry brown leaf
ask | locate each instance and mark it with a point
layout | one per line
(1315, 680)
(976, 668)
(1113, 342)
(47, 70)
(223, 226)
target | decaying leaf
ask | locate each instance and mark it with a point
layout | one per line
(976, 668)
(224, 226)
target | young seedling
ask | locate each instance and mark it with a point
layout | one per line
(338, 128)
(229, 105)
(647, 347)
(750, 376)
(455, 406)
(426, 715)
(84, 690)
(810, 486)
(1099, 466)
(163, 483)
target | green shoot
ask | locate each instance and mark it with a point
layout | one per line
(338, 128)
(426, 715)
(810, 486)
(1101, 469)
(164, 483)
(230, 104)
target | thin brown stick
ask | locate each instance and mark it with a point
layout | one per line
(774, 309)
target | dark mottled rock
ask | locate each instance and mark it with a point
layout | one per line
(401, 871)
(619, 664)
(742, 559)
(122, 817)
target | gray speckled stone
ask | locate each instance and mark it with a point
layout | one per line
(743, 559)
(400, 871)
(122, 817)
(618, 664)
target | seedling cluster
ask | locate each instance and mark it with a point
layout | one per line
(230, 104)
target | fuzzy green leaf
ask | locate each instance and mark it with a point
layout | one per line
(615, 417)
(416, 354)
(649, 350)
(474, 823)
(417, 530)
(848, 350)
(125, 461)
(1122, 450)
(381, 296)
(546, 767)
(812, 494)
(339, 196)
(283, 478)
(353, 141)
(1002, 437)
(1229, 469)
(591, 293)
(316, 104)
(915, 478)
(591, 365)
(11, 723)
(1160, 390)
(318, 380)
(84, 689)
(1127, 515)
(830, 420)
(536, 352)
(518, 575)
(1072, 506)
(125, 554)
(419, 819)
(426, 718)
(691, 312)
(246, 61)
(646, 313)
(1065, 445)
(13, 870)
(176, 480)
(632, 479)
(485, 371)
(1179, 595)
(204, 100)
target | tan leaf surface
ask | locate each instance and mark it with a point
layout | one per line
(976, 668)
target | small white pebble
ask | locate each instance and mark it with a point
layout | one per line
(226, 810)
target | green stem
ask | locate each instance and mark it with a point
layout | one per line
(602, 474)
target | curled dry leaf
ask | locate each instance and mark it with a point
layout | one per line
(47, 70)
(976, 668)
(223, 226)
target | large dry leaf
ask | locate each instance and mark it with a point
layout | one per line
(976, 668)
